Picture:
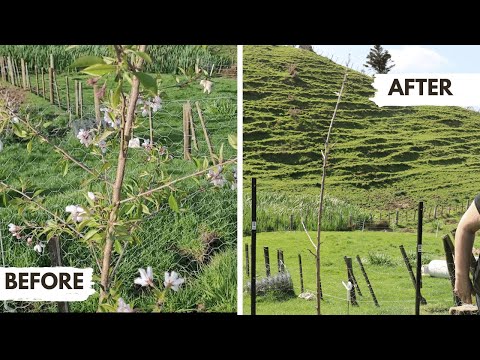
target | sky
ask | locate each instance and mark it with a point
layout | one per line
(411, 58)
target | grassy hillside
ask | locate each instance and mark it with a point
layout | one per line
(382, 157)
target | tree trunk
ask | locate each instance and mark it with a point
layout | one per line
(117, 186)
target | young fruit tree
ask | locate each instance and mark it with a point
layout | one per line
(107, 220)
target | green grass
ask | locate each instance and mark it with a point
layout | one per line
(169, 241)
(382, 158)
(389, 277)
(165, 58)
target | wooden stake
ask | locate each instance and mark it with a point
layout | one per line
(55, 253)
(50, 84)
(354, 282)
(76, 98)
(267, 260)
(150, 125)
(37, 85)
(370, 288)
(52, 65)
(450, 267)
(67, 84)
(205, 133)
(28, 77)
(410, 271)
(56, 89)
(80, 98)
(24, 81)
(96, 102)
(186, 133)
(353, 298)
(2, 68)
(192, 128)
(43, 84)
(10, 70)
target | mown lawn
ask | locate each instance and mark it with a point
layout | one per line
(383, 263)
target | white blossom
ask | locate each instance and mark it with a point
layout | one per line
(123, 307)
(156, 104)
(85, 137)
(216, 177)
(103, 146)
(14, 230)
(78, 213)
(92, 196)
(134, 143)
(1, 145)
(146, 277)
(15, 120)
(173, 281)
(39, 248)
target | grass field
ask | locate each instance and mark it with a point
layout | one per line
(169, 241)
(383, 263)
(382, 158)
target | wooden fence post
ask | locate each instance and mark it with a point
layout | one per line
(10, 70)
(192, 128)
(353, 298)
(67, 85)
(301, 273)
(2, 68)
(77, 102)
(205, 133)
(80, 98)
(37, 85)
(50, 84)
(55, 253)
(96, 102)
(354, 282)
(24, 80)
(29, 86)
(57, 94)
(370, 288)
(282, 262)
(450, 267)
(278, 261)
(186, 133)
(410, 271)
(435, 212)
(291, 222)
(266, 255)
(43, 85)
(396, 217)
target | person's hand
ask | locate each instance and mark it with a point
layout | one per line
(463, 289)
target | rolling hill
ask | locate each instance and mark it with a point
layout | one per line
(382, 158)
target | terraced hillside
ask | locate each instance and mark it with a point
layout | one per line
(382, 157)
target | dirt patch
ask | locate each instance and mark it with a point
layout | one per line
(12, 97)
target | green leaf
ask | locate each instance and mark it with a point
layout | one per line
(116, 94)
(118, 247)
(173, 203)
(29, 147)
(145, 209)
(86, 61)
(232, 140)
(99, 69)
(220, 154)
(148, 82)
(65, 168)
(144, 56)
(90, 234)
(205, 163)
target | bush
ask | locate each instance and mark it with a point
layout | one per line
(380, 259)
